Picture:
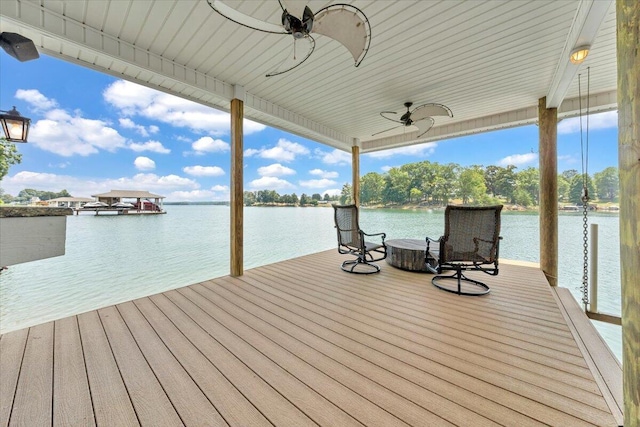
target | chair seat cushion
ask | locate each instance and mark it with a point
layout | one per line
(467, 256)
(370, 246)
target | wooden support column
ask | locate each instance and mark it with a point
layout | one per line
(628, 34)
(236, 196)
(547, 127)
(355, 174)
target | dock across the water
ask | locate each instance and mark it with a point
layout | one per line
(117, 211)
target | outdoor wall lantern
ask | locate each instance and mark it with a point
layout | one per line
(15, 127)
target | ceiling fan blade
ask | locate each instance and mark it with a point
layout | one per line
(245, 20)
(307, 19)
(345, 24)
(424, 125)
(300, 53)
(395, 127)
(430, 110)
(393, 119)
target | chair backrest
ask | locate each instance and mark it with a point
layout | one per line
(346, 219)
(471, 233)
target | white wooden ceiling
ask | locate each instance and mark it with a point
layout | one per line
(489, 61)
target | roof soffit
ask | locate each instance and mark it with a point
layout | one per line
(466, 55)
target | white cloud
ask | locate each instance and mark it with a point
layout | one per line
(332, 192)
(206, 144)
(317, 183)
(85, 187)
(283, 151)
(133, 99)
(275, 169)
(203, 170)
(335, 157)
(604, 120)
(420, 150)
(67, 135)
(518, 159)
(386, 168)
(129, 124)
(324, 174)
(215, 193)
(154, 146)
(42, 181)
(190, 196)
(153, 181)
(60, 165)
(37, 100)
(144, 163)
(270, 183)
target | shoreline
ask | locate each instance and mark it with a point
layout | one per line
(594, 207)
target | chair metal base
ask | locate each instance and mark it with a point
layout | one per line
(460, 278)
(350, 266)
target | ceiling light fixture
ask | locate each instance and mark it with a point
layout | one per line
(579, 54)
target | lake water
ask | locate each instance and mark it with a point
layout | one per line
(110, 259)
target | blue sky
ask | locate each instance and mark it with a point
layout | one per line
(92, 133)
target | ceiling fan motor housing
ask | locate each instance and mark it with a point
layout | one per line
(406, 117)
(298, 28)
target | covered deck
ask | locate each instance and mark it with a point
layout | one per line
(301, 343)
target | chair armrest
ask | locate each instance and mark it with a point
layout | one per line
(430, 240)
(384, 235)
(477, 241)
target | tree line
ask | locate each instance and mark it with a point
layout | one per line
(437, 184)
(28, 194)
(430, 183)
(271, 197)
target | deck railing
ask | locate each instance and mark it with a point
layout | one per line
(592, 308)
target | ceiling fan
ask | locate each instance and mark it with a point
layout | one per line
(342, 22)
(421, 117)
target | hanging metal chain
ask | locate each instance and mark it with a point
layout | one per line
(584, 148)
(585, 247)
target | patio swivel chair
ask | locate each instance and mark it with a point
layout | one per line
(470, 242)
(351, 240)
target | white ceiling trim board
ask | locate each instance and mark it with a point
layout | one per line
(589, 17)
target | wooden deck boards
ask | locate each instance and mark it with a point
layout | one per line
(301, 343)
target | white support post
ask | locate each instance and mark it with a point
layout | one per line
(593, 298)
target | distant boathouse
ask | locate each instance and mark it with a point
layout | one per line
(69, 202)
(125, 202)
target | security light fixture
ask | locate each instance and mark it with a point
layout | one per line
(18, 46)
(579, 54)
(15, 127)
